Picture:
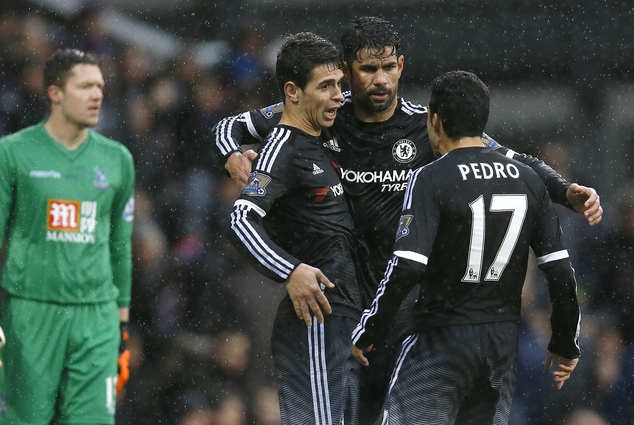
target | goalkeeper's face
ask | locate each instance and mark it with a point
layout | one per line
(79, 100)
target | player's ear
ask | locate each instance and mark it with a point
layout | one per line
(54, 93)
(436, 124)
(401, 62)
(291, 91)
(346, 73)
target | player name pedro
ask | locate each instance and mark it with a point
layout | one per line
(495, 170)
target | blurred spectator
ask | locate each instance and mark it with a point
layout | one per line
(266, 410)
(585, 417)
(245, 65)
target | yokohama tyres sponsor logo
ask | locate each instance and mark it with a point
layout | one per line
(391, 180)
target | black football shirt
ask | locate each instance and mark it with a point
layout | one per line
(295, 191)
(467, 224)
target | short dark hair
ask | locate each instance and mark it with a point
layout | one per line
(57, 68)
(369, 33)
(461, 100)
(300, 54)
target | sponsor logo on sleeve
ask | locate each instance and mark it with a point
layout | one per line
(269, 111)
(128, 211)
(257, 184)
(403, 226)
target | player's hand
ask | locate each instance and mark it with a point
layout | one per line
(124, 358)
(359, 356)
(586, 201)
(239, 166)
(566, 366)
(305, 286)
(3, 340)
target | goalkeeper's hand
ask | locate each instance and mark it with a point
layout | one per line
(124, 358)
(3, 340)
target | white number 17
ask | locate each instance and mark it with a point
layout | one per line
(517, 205)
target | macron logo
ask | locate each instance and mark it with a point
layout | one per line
(45, 174)
(317, 170)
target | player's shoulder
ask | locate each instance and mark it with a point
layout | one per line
(281, 146)
(109, 144)
(283, 137)
(347, 99)
(269, 111)
(428, 171)
(508, 159)
(507, 165)
(346, 111)
(22, 136)
(410, 108)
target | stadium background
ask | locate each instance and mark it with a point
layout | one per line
(562, 80)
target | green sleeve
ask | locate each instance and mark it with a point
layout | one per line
(121, 232)
(7, 184)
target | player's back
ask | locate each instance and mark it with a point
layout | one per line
(487, 206)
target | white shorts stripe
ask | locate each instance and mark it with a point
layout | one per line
(407, 345)
(318, 373)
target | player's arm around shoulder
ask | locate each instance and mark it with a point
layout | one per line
(581, 199)
(233, 132)
(239, 165)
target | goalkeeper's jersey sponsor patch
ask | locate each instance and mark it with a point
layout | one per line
(71, 221)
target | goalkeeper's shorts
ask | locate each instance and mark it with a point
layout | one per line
(60, 362)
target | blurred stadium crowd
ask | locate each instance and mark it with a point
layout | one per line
(200, 317)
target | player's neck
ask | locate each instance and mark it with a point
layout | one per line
(66, 134)
(292, 118)
(448, 145)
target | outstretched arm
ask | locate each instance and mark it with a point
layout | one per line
(581, 199)
(586, 201)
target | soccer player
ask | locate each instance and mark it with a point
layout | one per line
(467, 223)
(377, 140)
(295, 191)
(66, 209)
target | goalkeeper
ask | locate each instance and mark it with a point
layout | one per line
(66, 210)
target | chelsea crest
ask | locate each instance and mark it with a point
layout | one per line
(404, 151)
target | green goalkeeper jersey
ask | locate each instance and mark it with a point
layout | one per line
(67, 218)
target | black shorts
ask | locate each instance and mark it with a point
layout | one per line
(375, 379)
(317, 377)
(462, 374)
